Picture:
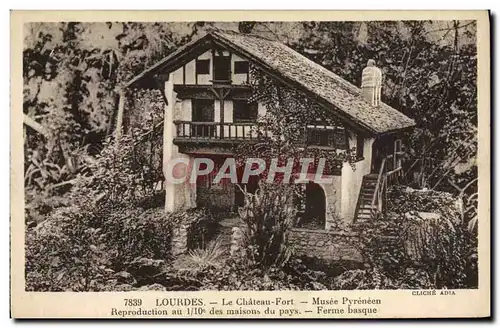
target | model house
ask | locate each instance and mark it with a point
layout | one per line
(206, 86)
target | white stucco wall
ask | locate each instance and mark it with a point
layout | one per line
(352, 178)
(333, 193)
(177, 196)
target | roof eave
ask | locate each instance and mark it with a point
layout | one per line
(182, 55)
(170, 62)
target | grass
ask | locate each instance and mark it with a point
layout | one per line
(210, 256)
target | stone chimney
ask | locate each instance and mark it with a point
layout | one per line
(371, 83)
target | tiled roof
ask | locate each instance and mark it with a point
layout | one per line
(344, 97)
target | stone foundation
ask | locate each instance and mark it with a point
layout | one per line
(327, 245)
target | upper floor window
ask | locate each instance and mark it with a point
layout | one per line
(222, 68)
(326, 133)
(203, 66)
(243, 111)
(241, 67)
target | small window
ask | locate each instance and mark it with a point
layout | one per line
(243, 111)
(359, 147)
(241, 67)
(340, 138)
(203, 66)
(222, 68)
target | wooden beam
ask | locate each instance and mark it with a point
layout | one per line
(217, 95)
(119, 117)
(184, 74)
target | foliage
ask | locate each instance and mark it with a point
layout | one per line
(237, 275)
(202, 228)
(81, 250)
(437, 245)
(66, 253)
(78, 247)
(70, 73)
(268, 214)
(374, 279)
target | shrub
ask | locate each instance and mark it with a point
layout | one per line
(80, 250)
(373, 278)
(134, 233)
(238, 275)
(65, 253)
(268, 214)
(202, 226)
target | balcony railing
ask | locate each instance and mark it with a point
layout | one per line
(214, 131)
(313, 135)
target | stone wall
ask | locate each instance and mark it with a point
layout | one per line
(327, 245)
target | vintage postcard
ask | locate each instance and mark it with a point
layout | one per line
(250, 164)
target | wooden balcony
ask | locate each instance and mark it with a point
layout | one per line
(214, 132)
(230, 133)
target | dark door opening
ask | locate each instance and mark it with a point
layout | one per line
(382, 147)
(313, 215)
(203, 111)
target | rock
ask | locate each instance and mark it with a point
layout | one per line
(123, 288)
(156, 287)
(125, 277)
(145, 267)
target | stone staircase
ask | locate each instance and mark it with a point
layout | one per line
(364, 207)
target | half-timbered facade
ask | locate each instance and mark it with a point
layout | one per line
(206, 88)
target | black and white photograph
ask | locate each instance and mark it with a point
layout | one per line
(248, 155)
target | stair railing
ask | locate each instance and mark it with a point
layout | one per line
(384, 180)
(376, 204)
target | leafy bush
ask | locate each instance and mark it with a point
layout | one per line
(202, 226)
(80, 251)
(137, 233)
(237, 275)
(268, 214)
(375, 279)
(66, 253)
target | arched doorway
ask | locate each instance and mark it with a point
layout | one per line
(314, 207)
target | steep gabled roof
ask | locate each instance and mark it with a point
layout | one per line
(284, 63)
